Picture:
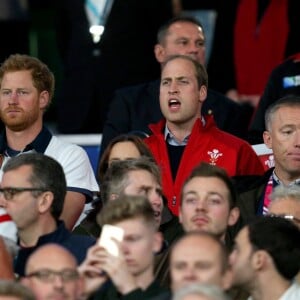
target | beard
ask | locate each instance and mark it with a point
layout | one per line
(20, 120)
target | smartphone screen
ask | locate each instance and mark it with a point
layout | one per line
(106, 241)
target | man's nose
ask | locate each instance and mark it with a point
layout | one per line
(13, 97)
(190, 273)
(58, 281)
(155, 199)
(173, 88)
(201, 204)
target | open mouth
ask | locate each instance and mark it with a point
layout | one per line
(174, 103)
(156, 214)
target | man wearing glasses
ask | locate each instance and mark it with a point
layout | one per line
(32, 191)
(51, 273)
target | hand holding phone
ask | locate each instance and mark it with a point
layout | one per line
(108, 232)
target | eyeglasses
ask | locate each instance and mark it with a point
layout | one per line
(48, 276)
(284, 216)
(9, 192)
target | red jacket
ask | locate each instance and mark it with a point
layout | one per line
(206, 143)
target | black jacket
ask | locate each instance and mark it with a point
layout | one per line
(250, 191)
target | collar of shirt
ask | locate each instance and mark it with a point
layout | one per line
(278, 181)
(39, 144)
(171, 139)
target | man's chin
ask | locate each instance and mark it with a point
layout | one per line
(200, 227)
(14, 126)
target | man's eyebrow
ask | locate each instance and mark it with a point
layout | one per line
(182, 77)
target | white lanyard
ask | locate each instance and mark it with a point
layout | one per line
(97, 13)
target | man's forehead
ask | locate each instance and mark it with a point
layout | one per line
(17, 175)
(53, 258)
(141, 176)
(196, 243)
(178, 68)
(180, 24)
(201, 183)
(286, 116)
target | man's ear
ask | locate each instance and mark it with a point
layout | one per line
(259, 259)
(44, 99)
(157, 242)
(202, 93)
(45, 202)
(267, 139)
(233, 216)
(159, 53)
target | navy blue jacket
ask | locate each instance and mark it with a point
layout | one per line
(76, 244)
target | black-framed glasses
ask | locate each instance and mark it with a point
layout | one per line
(9, 192)
(48, 276)
(285, 216)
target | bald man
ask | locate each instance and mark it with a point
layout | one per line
(199, 257)
(51, 273)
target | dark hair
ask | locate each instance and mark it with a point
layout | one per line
(42, 77)
(163, 30)
(281, 239)
(200, 71)
(137, 141)
(46, 174)
(207, 170)
(286, 101)
(116, 177)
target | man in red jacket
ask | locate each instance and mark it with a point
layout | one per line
(185, 138)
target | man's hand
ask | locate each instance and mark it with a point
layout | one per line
(90, 270)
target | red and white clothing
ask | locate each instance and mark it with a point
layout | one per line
(206, 143)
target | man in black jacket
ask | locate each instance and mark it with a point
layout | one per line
(283, 137)
(93, 70)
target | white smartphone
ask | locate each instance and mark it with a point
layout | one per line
(105, 241)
